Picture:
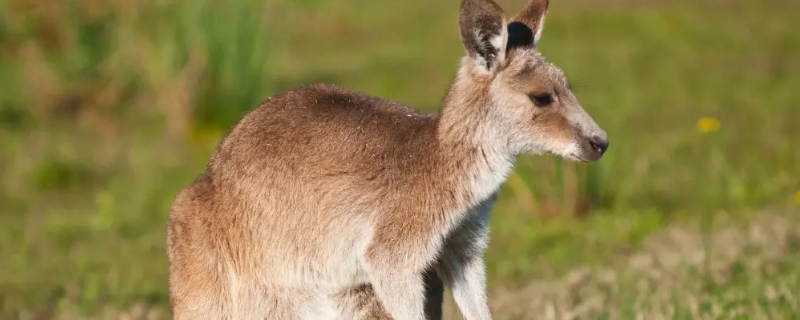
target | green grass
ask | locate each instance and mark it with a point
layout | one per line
(106, 110)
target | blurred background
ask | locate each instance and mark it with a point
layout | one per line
(109, 107)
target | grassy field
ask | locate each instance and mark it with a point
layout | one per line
(107, 108)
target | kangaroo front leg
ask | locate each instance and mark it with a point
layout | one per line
(395, 261)
(361, 303)
(462, 265)
(400, 291)
(466, 278)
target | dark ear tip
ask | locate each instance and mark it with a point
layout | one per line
(519, 35)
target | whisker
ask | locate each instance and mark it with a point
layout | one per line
(580, 85)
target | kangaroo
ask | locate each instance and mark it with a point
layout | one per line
(325, 203)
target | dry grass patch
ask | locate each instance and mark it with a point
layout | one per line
(738, 272)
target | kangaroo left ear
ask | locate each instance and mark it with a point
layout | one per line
(533, 16)
(483, 32)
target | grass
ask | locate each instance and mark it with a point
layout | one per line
(107, 109)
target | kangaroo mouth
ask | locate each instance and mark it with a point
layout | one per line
(586, 151)
(580, 158)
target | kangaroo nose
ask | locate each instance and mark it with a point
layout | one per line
(599, 144)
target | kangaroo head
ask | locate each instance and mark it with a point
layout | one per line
(530, 102)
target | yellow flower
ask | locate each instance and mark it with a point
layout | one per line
(797, 197)
(708, 124)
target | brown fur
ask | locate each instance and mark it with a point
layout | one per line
(324, 203)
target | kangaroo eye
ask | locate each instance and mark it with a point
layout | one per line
(542, 100)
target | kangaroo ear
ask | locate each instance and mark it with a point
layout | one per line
(483, 32)
(532, 17)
